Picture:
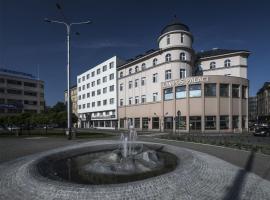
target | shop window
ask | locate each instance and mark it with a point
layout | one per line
(224, 90)
(155, 122)
(107, 123)
(181, 123)
(168, 93)
(137, 123)
(224, 122)
(168, 123)
(235, 91)
(180, 92)
(122, 123)
(195, 123)
(195, 90)
(235, 122)
(210, 89)
(210, 123)
(145, 123)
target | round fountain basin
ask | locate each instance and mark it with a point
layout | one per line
(106, 165)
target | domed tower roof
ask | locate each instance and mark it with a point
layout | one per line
(175, 25)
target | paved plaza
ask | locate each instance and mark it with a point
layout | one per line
(198, 176)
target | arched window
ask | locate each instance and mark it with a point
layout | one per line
(130, 71)
(154, 62)
(136, 68)
(227, 63)
(143, 66)
(182, 56)
(168, 57)
(212, 65)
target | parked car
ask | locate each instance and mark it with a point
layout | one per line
(13, 128)
(262, 131)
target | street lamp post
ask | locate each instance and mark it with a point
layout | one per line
(68, 26)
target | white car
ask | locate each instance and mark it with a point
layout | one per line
(13, 128)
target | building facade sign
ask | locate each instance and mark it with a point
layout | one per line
(186, 81)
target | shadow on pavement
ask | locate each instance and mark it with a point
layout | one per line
(234, 191)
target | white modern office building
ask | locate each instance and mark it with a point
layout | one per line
(97, 95)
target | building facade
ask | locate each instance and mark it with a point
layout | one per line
(97, 95)
(263, 98)
(20, 92)
(174, 88)
(73, 98)
(252, 108)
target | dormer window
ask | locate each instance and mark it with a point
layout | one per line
(182, 56)
(212, 65)
(168, 39)
(227, 63)
(154, 62)
(168, 57)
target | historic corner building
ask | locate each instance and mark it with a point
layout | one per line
(174, 88)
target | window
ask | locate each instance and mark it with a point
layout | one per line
(88, 105)
(83, 87)
(212, 65)
(224, 90)
(183, 73)
(136, 100)
(195, 90)
(121, 102)
(83, 96)
(130, 71)
(224, 122)
(111, 65)
(121, 74)
(121, 86)
(168, 94)
(154, 62)
(104, 102)
(111, 100)
(182, 56)
(136, 84)
(122, 123)
(168, 57)
(143, 81)
(195, 122)
(111, 88)
(155, 77)
(244, 122)
(104, 68)
(98, 81)
(244, 92)
(235, 91)
(98, 71)
(210, 123)
(104, 90)
(181, 123)
(104, 79)
(155, 95)
(93, 93)
(136, 68)
(111, 76)
(130, 100)
(168, 123)
(129, 84)
(99, 103)
(80, 97)
(28, 93)
(93, 104)
(83, 106)
(143, 66)
(168, 39)
(88, 85)
(235, 122)
(137, 122)
(30, 84)
(93, 73)
(79, 80)
(83, 78)
(80, 89)
(155, 122)
(93, 83)
(2, 90)
(98, 91)
(143, 99)
(210, 89)
(182, 37)
(88, 75)
(180, 92)
(145, 123)
(80, 107)
(227, 63)
(88, 94)
(168, 74)
(14, 82)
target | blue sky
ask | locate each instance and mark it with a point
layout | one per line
(126, 29)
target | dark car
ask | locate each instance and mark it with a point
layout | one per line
(262, 131)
